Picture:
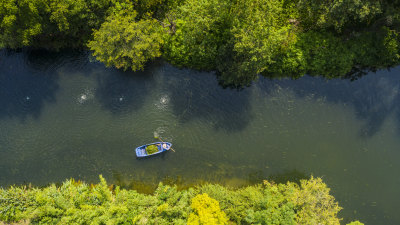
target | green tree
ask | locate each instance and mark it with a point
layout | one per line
(200, 30)
(337, 14)
(314, 203)
(376, 50)
(71, 22)
(259, 32)
(75, 202)
(326, 54)
(126, 43)
(239, 39)
(21, 21)
(49, 24)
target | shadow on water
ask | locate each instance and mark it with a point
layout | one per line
(374, 97)
(150, 186)
(122, 92)
(24, 87)
(49, 61)
(253, 178)
(195, 97)
(257, 177)
(288, 176)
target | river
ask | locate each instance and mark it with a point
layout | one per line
(65, 115)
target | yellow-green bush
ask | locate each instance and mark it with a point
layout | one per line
(206, 211)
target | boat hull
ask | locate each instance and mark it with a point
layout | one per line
(141, 150)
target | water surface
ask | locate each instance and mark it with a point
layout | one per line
(63, 116)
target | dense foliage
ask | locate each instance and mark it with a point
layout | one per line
(206, 211)
(50, 24)
(237, 38)
(126, 43)
(78, 203)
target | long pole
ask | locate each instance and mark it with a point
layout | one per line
(164, 141)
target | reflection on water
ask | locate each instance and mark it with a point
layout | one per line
(291, 175)
(24, 91)
(62, 116)
(374, 98)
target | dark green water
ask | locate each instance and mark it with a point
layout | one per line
(63, 116)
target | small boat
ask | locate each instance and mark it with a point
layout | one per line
(161, 146)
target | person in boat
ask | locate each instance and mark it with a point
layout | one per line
(164, 146)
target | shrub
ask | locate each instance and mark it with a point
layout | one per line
(78, 203)
(206, 211)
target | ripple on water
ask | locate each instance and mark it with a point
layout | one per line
(161, 131)
(162, 102)
(23, 103)
(85, 96)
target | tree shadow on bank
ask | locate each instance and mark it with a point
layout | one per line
(374, 97)
(26, 85)
(197, 95)
(122, 92)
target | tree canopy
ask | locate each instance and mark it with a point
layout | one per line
(124, 42)
(239, 39)
(75, 202)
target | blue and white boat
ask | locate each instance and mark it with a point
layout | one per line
(162, 147)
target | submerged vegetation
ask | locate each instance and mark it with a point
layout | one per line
(78, 203)
(237, 38)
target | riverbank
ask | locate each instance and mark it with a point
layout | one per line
(309, 202)
(333, 39)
